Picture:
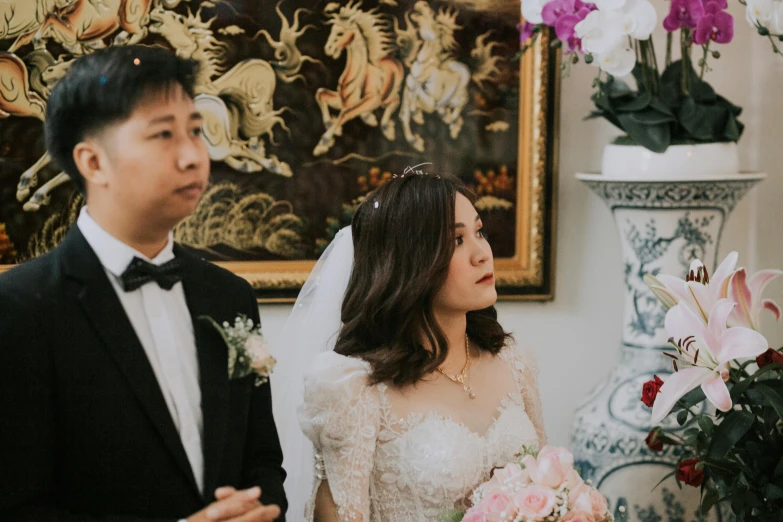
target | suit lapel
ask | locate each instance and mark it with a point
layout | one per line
(202, 298)
(98, 299)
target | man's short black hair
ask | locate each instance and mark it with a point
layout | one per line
(103, 88)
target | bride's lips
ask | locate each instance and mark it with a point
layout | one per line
(489, 277)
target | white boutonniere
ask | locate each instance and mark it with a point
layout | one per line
(248, 351)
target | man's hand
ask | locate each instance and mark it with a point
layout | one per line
(236, 506)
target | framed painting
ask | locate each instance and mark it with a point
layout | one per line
(308, 106)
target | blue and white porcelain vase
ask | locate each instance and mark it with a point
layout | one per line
(669, 209)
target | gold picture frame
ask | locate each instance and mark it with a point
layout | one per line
(524, 272)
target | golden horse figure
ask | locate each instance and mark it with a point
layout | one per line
(81, 25)
(17, 98)
(437, 82)
(372, 76)
(236, 104)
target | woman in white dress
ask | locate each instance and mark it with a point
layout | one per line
(424, 393)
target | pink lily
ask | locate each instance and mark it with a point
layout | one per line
(747, 295)
(705, 352)
(699, 291)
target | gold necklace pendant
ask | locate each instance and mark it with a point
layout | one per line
(464, 377)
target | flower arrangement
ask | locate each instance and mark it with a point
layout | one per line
(248, 351)
(540, 486)
(719, 357)
(668, 106)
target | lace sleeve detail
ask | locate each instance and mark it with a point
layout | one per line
(341, 416)
(525, 366)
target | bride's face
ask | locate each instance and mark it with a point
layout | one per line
(470, 284)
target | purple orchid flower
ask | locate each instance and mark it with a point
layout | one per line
(715, 25)
(564, 29)
(557, 8)
(684, 13)
(525, 32)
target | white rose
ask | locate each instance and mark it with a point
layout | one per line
(257, 347)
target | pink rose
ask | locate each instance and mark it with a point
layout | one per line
(474, 515)
(573, 480)
(497, 503)
(512, 475)
(589, 500)
(578, 516)
(535, 502)
(552, 466)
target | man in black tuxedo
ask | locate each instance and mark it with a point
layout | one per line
(115, 400)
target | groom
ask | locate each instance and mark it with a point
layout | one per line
(115, 401)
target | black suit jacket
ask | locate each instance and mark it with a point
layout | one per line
(85, 433)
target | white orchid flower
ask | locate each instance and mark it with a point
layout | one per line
(600, 32)
(531, 10)
(638, 19)
(618, 62)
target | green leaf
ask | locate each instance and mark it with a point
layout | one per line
(692, 398)
(656, 138)
(640, 102)
(764, 395)
(709, 499)
(651, 117)
(617, 89)
(703, 122)
(682, 417)
(702, 92)
(738, 389)
(779, 468)
(772, 492)
(734, 426)
(706, 425)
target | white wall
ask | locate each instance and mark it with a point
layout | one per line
(577, 335)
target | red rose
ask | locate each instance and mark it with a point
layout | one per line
(653, 442)
(769, 357)
(687, 472)
(650, 391)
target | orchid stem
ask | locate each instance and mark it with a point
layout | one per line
(704, 60)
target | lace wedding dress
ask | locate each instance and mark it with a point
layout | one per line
(409, 456)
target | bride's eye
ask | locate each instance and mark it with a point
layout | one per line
(482, 233)
(459, 240)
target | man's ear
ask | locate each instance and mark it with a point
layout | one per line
(92, 161)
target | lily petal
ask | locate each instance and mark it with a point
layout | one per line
(718, 317)
(675, 286)
(772, 306)
(717, 392)
(740, 342)
(724, 270)
(664, 295)
(682, 322)
(760, 280)
(675, 386)
(701, 298)
(740, 293)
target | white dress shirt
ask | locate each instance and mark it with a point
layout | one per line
(164, 326)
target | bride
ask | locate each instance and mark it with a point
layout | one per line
(423, 393)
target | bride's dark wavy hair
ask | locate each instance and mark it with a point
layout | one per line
(403, 238)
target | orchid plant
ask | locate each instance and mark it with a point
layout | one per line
(735, 454)
(670, 106)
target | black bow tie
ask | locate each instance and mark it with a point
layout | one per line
(141, 272)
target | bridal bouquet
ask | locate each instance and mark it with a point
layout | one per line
(720, 359)
(668, 102)
(540, 486)
(248, 351)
